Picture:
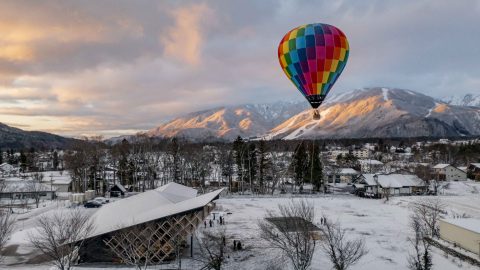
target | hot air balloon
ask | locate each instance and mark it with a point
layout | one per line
(313, 56)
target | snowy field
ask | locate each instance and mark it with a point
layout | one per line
(384, 226)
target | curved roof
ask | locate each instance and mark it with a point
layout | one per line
(151, 205)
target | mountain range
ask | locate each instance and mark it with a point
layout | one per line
(15, 138)
(467, 100)
(361, 113)
(227, 123)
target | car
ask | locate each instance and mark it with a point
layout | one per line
(92, 204)
(115, 194)
(101, 200)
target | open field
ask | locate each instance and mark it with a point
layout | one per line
(384, 226)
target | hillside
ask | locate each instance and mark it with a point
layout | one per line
(14, 138)
(382, 112)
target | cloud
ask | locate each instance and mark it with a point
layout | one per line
(76, 67)
(184, 40)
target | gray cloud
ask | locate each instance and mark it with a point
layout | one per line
(123, 65)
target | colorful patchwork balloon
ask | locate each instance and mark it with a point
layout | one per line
(313, 56)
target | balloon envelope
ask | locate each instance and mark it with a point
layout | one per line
(313, 56)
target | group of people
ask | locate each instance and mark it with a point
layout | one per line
(323, 220)
(211, 222)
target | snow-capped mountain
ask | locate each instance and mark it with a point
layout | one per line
(361, 113)
(227, 123)
(381, 112)
(467, 100)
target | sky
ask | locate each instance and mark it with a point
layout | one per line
(112, 67)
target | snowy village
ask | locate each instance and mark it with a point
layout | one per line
(243, 135)
(174, 204)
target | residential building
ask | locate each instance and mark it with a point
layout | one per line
(447, 172)
(361, 153)
(379, 185)
(371, 165)
(8, 170)
(20, 189)
(473, 171)
(341, 175)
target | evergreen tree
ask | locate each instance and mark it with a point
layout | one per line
(299, 163)
(55, 160)
(23, 161)
(174, 151)
(262, 165)
(251, 164)
(227, 166)
(316, 167)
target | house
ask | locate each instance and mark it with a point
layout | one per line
(166, 215)
(473, 171)
(379, 185)
(7, 170)
(60, 181)
(19, 189)
(462, 232)
(371, 165)
(118, 189)
(448, 172)
(463, 168)
(361, 153)
(341, 175)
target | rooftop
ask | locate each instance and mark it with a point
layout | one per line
(441, 166)
(164, 201)
(393, 180)
(470, 224)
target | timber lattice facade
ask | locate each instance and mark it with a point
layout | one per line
(156, 241)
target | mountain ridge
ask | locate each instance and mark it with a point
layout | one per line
(382, 112)
(15, 138)
(360, 113)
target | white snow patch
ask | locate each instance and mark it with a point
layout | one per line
(385, 94)
(430, 110)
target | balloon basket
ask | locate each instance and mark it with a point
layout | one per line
(316, 114)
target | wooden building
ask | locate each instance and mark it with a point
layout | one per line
(166, 216)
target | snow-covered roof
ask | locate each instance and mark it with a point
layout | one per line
(151, 205)
(6, 167)
(393, 180)
(463, 168)
(24, 186)
(370, 161)
(470, 224)
(348, 171)
(475, 165)
(441, 166)
(121, 187)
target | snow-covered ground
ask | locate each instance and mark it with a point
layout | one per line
(384, 226)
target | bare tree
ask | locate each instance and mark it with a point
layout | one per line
(290, 230)
(343, 253)
(35, 186)
(386, 193)
(6, 228)
(59, 236)
(421, 259)
(428, 212)
(136, 246)
(213, 248)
